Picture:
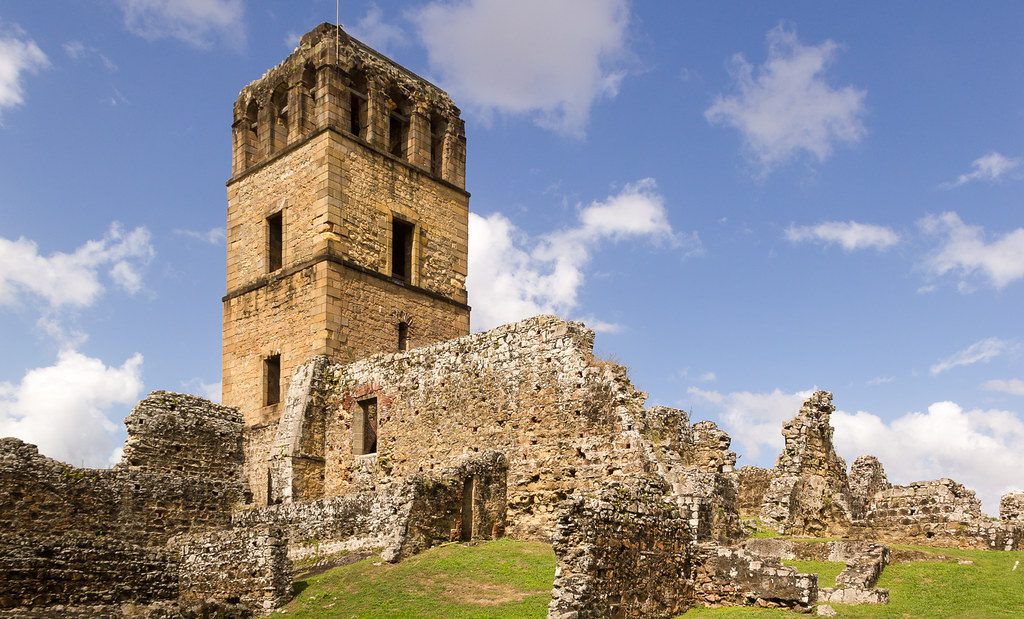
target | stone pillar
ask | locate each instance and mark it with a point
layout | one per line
(419, 137)
(377, 112)
(332, 99)
(454, 161)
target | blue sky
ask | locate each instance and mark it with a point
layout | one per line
(748, 200)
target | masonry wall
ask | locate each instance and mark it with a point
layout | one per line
(83, 536)
(530, 390)
(334, 294)
(623, 551)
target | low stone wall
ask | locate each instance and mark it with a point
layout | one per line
(733, 577)
(1011, 508)
(397, 520)
(622, 552)
(248, 566)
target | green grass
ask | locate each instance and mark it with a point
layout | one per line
(989, 588)
(826, 570)
(497, 579)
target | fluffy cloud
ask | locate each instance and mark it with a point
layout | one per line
(548, 60)
(964, 251)
(73, 279)
(850, 235)
(378, 34)
(754, 420)
(978, 448)
(786, 107)
(66, 408)
(990, 167)
(1013, 386)
(19, 55)
(512, 276)
(978, 352)
(78, 51)
(213, 236)
(197, 22)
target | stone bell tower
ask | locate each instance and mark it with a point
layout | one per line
(347, 224)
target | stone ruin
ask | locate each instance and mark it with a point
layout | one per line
(809, 493)
(470, 442)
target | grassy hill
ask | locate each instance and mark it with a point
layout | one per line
(505, 578)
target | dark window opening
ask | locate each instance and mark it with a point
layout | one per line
(468, 489)
(364, 428)
(272, 369)
(398, 134)
(275, 242)
(279, 106)
(437, 130)
(357, 115)
(401, 249)
(270, 489)
(403, 336)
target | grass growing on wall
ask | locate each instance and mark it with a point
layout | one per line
(988, 588)
(497, 579)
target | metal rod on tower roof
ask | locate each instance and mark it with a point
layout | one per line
(337, 29)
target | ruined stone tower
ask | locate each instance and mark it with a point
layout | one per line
(347, 218)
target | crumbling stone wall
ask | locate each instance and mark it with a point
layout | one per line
(753, 483)
(726, 576)
(941, 512)
(622, 552)
(399, 519)
(1011, 508)
(810, 493)
(867, 478)
(98, 539)
(530, 390)
(248, 566)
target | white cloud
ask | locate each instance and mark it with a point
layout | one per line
(754, 420)
(850, 235)
(1013, 386)
(213, 236)
(73, 279)
(964, 251)
(210, 391)
(881, 380)
(707, 377)
(979, 448)
(19, 55)
(65, 409)
(990, 167)
(378, 34)
(77, 50)
(786, 107)
(548, 60)
(978, 352)
(197, 22)
(512, 276)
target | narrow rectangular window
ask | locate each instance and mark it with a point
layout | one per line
(403, 336)
(364, 428)
(468, 490)
(275, 242)
(272, 383)
(398, 134)
(357, 114)
(401, 249)
(437, 130)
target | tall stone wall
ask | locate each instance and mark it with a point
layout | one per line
(532, 391)
(810, 493)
